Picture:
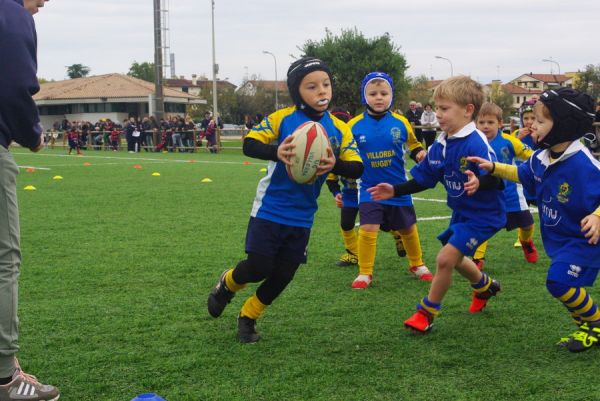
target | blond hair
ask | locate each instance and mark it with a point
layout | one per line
(491, 109)
(461, 90)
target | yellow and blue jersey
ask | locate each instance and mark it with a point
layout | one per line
(278, 198)
(507, 149)
(446, 162)
(349, 189)
(381, 143)
(567, 190)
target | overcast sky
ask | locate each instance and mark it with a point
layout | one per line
(484, 39)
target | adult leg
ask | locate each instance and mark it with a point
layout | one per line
(10, 261)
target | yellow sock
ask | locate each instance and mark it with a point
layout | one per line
(253, 308)
(231, 284)
(480, 251)
(412, 244)
(350, 241)
(525, 234)
(367, 249)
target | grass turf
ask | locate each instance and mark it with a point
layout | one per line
(117, 265)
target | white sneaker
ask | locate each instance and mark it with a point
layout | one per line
(421, 272)
(362, 281)
(26, 387)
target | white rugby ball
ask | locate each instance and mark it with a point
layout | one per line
(311, 145)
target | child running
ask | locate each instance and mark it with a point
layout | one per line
(474, 218)
(381, 136)
(283, 211)
(564, 176)
(507, 149)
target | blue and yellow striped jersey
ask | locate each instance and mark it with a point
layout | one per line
(508, 148)
(278, 198)
(381, 143)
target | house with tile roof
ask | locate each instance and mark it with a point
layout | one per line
(195, 85)
(114, 96)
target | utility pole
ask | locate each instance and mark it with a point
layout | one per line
(159, 106)
(215, 72)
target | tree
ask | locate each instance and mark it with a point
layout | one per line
(143, 71)
(588, 81)
(77, 71)
(503, 98)
(351, 56)
(419, 90)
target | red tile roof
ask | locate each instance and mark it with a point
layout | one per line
(517, 90)
(558, 78)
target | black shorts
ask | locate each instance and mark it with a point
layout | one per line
(387, 216)
(520, 219)
(279, 241)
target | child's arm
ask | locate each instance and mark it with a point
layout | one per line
(475, 183)
(591, 226)
(385, 191)
(504, 171)
(522, 151)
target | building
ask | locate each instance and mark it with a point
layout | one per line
(250, 87)
(196, 85)
(114, 96)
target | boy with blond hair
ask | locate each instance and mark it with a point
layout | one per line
(474, 218)
(508, 149)
(564, 176)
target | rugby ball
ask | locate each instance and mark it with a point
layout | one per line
(311, 145)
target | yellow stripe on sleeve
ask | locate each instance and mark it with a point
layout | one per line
(506, 172)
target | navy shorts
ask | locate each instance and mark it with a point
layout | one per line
(572, 275)
(279, 241)
(387, 216)
(520, 219)
(466, 236)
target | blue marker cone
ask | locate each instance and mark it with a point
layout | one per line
(148, 397)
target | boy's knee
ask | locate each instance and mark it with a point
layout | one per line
(255, 268)
(556, 289)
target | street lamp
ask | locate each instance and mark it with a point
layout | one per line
(276, 83)
(448, 60)
(552, 61)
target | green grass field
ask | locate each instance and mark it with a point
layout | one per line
(117, 266)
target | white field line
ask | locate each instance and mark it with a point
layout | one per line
(34, 167)
(137, 159)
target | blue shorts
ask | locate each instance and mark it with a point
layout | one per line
(520, 219)
(387, 216)
(466, 236)
(572, 275)
(279, 241)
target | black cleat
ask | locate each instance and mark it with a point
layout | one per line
(219, 297)
(583, 339)
(247, 330)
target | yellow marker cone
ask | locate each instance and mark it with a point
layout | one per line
(57, 177)
(29, 188)
(207, 180)
(156, 174)
(263, 170)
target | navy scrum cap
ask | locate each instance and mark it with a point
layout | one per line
(297, 71)
(572, 115)
(374, 76)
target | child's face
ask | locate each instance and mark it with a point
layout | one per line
(541, 125)
(451, 116)
(489, 125)
(528, 119)
(378, 95)
(315, 90)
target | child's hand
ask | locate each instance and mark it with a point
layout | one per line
(381, 191)
(483, 163)
(421, 155)
(523, 132)
(327, 163)
(285, 151)
(338, 201)
(591, 224)
(472, 184)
